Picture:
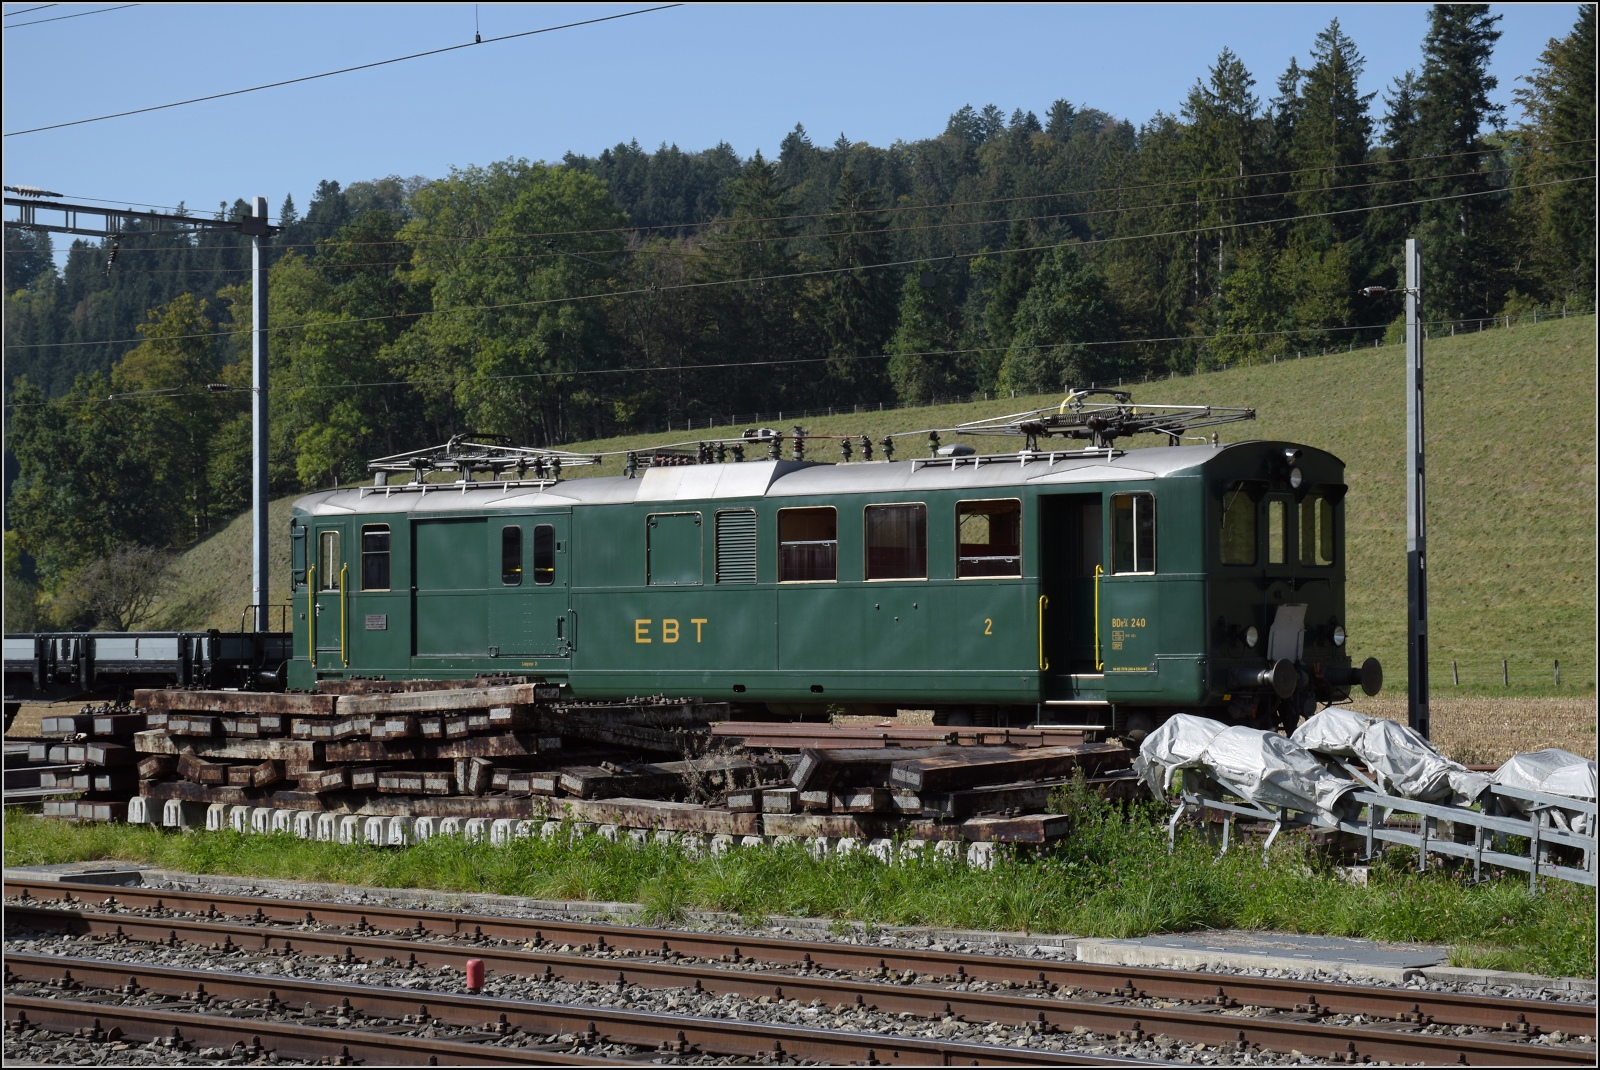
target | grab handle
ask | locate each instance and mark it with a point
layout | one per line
(1044, 662)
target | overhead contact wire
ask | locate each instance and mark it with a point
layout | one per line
(342, 70)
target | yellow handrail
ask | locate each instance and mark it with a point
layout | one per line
(311, 616)
(344, 616)
(1044, 662)
(1098, 664)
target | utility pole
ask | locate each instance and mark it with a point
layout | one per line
(1416, 503)
(1416, 497)
(258, 229)
(118, 224)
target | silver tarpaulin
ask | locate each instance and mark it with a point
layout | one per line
(1555, 772)
(1261, 767)
(1400, 760)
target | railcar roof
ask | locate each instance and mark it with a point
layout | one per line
(770, 479)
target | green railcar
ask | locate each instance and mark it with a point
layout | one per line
(1085, 587)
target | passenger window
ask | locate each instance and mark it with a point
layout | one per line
(736, 546)
(1238, 527)
(989, 538)
(1133, 533)
(544, 555)
(1316, 530)
(808, 545)
(329, 560)
(375, 558)
(897, 542)
(1277, 531)
(511, 557)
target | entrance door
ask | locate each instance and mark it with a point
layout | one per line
(527, 595)
(450, 573)
(329, 578)
(1129, 591)
(1070, 545)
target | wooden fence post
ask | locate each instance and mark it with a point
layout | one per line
(1505, 674)
(1455, 673)
(1558, 672)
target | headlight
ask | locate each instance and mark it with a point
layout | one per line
(1251, 637)
(1338, 635)
(1295, 478)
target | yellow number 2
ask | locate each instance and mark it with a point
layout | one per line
(988, 626)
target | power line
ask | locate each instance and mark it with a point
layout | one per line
(895, 209)
(59, 18)
(24, 11)
(817, 272)
(165, 392)
(723, 242)
(343, 70)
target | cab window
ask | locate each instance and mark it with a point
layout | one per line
(1133, 533)
(897, 542)
(1238, 540)
(1277, 531)
(329, 561)
(375, 557)
(511, 557)
(544, 555)
(1316, 531)
(989, 538)
(808, 545)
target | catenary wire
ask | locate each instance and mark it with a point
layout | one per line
(58, 18)
(24, 11)
(889, 209)
(706, 284)
(344, 70)
(469, 380)
(724, 242)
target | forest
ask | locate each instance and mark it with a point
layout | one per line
(561, 302)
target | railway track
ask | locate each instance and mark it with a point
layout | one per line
(1041, 998)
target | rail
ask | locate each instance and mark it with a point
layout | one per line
(886, 980)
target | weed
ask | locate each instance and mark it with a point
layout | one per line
(1112, 877)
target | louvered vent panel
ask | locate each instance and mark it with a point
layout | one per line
(736, 547)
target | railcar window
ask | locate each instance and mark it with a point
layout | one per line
(1238, 527)
(329, 559)
(1133, 533)
(989, 538)
(736, 546)
(1316, 530)
(375, 557)
(1277, 531)
(511, 557)
(897, 542)
(808, 544)
(544, 555)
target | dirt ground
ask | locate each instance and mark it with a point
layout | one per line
(1477, 731)
(1490, 730)
(30, 717)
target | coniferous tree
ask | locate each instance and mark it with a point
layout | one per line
(1556, 216)
(1461, 225)
(856, 303)
(1065, 306)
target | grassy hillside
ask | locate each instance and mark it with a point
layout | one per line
(1511, 484)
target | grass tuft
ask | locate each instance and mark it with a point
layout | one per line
(1112, 877)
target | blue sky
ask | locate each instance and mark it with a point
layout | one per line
(692, 76)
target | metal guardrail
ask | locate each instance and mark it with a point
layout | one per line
(1490, 831)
